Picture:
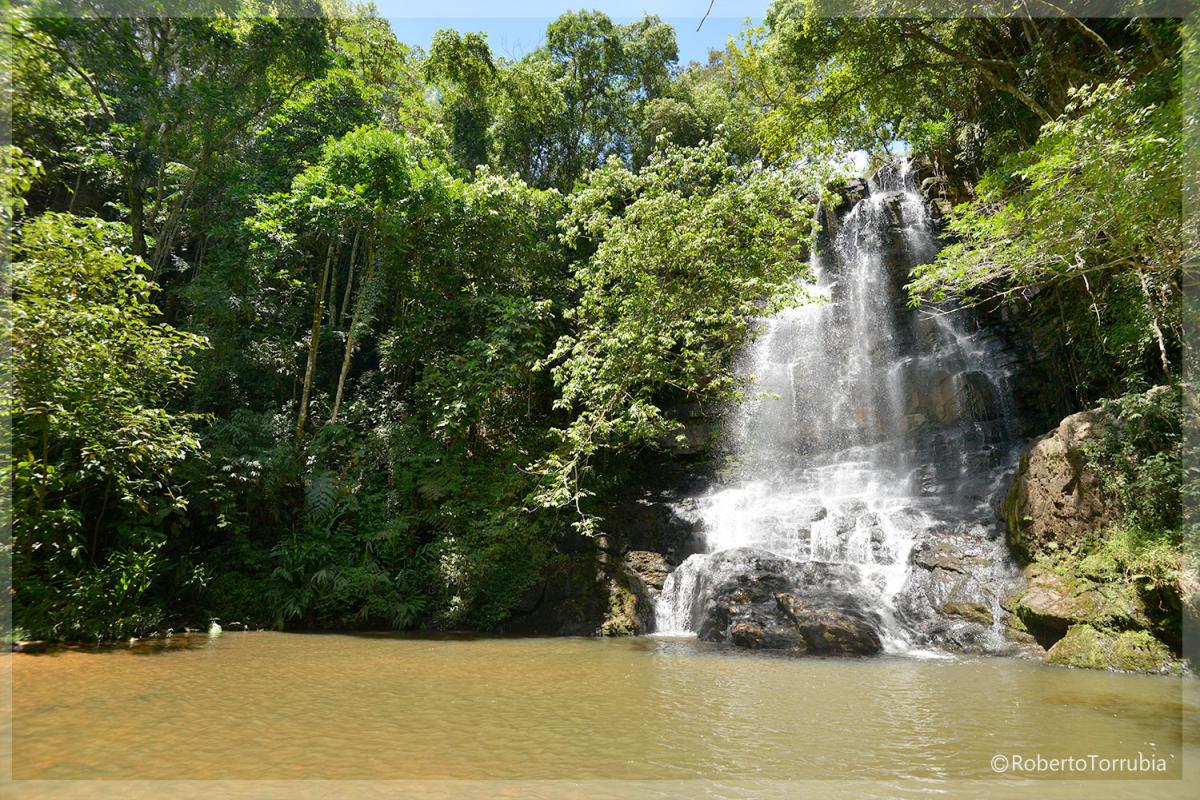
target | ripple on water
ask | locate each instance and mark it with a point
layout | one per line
(266, 705)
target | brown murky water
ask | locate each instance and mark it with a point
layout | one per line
(287, 706)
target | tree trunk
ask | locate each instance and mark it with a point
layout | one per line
(349, 280)
(200, 257)
(352, 338)
(165, 239)
(99, 521)
(137, 224)
(1154, 324)
(318, 314)
(75, 192)
(331, 303)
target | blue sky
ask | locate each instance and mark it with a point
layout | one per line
(515, 27)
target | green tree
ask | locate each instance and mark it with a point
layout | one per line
(863, 80)
(461, 66)
(391, 71)
(335, 204)
(702, 102)
(530, 120)
(171, 94)
(1085, 225)
(572, 104)
(95, 443)
(688, 252)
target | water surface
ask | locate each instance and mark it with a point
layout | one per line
(287, 706)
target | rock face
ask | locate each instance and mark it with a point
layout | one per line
(573, 596)
(1056, 499)
(651, 567)
(755, 599)
(1082, 607)
(953, 595)
(657, 523)
(606, 585)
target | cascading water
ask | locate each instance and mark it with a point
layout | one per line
(868, 463)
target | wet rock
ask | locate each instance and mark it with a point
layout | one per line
(1126, 651)
(1056, 499)
(841, 631)
(972, 612)
(943, 400)
(881, 550)
(854, 190)
(651, 567)
(935, 554)
(978, 394)
(755, 599)
(30, 646)
(953, 593)
(747, 634)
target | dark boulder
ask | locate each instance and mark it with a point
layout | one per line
(758, 600)
(844, 630)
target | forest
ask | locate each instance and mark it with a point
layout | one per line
(311, 329)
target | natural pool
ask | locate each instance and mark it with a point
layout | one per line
(287, 706)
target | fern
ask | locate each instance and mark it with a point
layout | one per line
(320, 494)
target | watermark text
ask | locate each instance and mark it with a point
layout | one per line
(1136, 764)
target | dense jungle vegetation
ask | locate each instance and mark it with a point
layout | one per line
(311, 328)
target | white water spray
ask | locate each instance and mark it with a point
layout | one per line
(873, 424)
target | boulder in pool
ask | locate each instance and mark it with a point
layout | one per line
(1122, 651)
(761, 601)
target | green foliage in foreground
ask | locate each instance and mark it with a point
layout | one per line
(95, 444)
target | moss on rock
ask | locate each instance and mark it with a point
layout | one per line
(622, 618)
(1126, 651)
(1056, 498)
(972, 612)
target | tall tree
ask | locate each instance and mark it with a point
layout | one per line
(567, 107)
(461, 66)
(95, 440)
(171, 94)
(866, 79)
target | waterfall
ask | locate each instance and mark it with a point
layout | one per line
(875, 433)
